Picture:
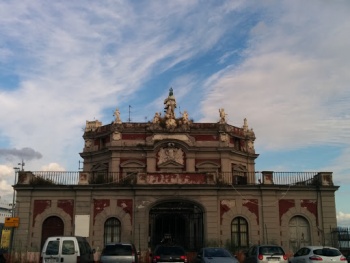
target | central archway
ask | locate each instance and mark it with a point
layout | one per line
(52, 226)
(178, 222)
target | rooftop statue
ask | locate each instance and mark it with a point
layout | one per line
(117, 116)
(185, 119)
(245, 125)
(249, 133)
(170, 105)
(156, 118)
(222, 116)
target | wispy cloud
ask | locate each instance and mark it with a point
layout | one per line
(24, 153)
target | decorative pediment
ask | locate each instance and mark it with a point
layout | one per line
(239, 168)
(170, 165)
(100, 167)
(189, 140)
(133, 164)
(207, 165)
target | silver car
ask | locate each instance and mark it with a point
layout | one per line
(265, 254)
(215, 255)
(313, 254)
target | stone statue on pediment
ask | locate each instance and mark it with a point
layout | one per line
(170, 105)
(117, 116)
(222, 116)
(156, 118)
(185, 119)
(250, 137)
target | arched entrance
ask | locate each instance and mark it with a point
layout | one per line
(179, 222)
(52, 226)
(299, 232)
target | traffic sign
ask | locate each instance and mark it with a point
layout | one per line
(11, 221)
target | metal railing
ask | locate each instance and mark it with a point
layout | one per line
(225, 178)
(278, 178)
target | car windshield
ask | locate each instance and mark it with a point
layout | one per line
(117, 250)
(52, 247)
(216, 252)
(327, 252)
(271, 251)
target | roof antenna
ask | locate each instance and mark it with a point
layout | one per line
(129, 113)
(22, 165)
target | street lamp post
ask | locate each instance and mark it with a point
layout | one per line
(13, 210)
(14, 191)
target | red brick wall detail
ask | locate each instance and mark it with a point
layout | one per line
(223, 209)
(206, 137)
(39, 207)
(311, 206)
(253, 206)
(127, 206)
(284, 206)
(136, 136)
(99, 206)
(164, 178)
(67, 206)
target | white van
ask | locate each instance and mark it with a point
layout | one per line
(67, 249)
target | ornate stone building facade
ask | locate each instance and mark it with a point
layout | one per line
(173, 180)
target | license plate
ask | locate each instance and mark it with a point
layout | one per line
(272, 259)
(50, 260)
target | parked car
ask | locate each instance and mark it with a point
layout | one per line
(119, 252)
(164, 253)
(311, 254)
(265, 253)
(215, 255)
(67, 249)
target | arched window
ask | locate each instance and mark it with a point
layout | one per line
(112, 230)
(239, 233)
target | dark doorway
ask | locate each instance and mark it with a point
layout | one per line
(176, 222)
(52, 226)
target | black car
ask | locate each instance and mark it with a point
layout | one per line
(119, 252)
(163, 253)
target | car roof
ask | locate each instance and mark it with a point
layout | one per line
(214, 248)
(267, 245)
(118, 243)
(318, 247)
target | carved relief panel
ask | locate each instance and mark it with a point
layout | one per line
(170, 157)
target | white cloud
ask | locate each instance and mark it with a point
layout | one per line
(7, 179)
(343, 219)
(53, 167)
(75, 61)
(291, 92)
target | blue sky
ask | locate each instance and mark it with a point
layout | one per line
(283, 65)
